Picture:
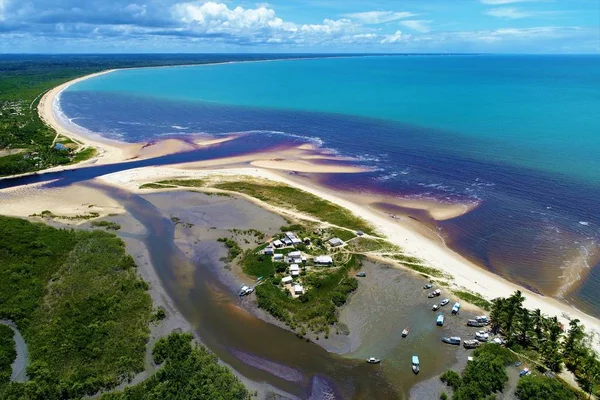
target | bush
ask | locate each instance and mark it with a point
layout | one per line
(534, 387)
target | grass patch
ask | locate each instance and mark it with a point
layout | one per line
(286, 196)
(364, 245)
(79, 304)
(8, 353)
(256, 264)
(473, 298)
(188, 371)
(113, 226)
(154, 186)
(79, 217)
(343, 234)
(233, 249)
(184, 182)
(83, 155)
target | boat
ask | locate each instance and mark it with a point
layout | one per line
(483, 319)
(444, 302)
(455, 308)
(246, 290)
(482, 336)
(435, 307)
(471, 344)
(373, 360)
(475, 323)
(405, 332)
(435, 293)
(415, 364)
(361, 274)
(440, 320)
(455, 340)
(428, 286)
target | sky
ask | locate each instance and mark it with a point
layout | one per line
(390, 26)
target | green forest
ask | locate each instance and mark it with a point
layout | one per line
(187, 371)
(80, 305)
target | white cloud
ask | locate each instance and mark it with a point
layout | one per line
(508, 12)
(418, 25)
(395, 38)
(379, 17)
(2, 10)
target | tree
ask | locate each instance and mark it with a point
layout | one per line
(525, 326)
(538, 325)
(573, 346)
(535, 387)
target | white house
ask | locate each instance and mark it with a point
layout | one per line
(277, 243)
(294, 254)
(296, 241)
(298, 289)
(286, 280)
(290, 235)
(323, 260)
(287, 241)
(268, 251)
(294, 270)
(278, 257)
(335, 242)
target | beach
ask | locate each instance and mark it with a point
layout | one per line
(466, 274)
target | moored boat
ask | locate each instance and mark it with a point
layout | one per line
(482, 336)
(444, 302)
(455, 308)
(361, 274)
(455, 340)
(373, 360)
(435, 307)
(435, 293)
(405, 332)
(475, 323)
(440, 320)
(416, 364)
(471, 344)
(428, 286)
(246, 290)
(482, 319)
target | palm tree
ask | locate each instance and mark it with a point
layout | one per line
(514, 307)
(538, 325)
(525, 325)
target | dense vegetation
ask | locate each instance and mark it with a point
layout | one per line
(544, 338)
(113, 226)
(23, 80)
(483, 377)
(187, 372)
(535, 387)
(233, 249)
(316, 309)
(8, 353)
(79, 304)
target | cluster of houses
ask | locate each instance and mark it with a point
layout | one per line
(11, 108)
(296, 259)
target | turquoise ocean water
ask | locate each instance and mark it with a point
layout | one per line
(519, 135)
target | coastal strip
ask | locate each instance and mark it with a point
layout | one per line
(466, 274)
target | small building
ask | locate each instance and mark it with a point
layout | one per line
(296, 241)
(290, 235)
(303, 259)
(297, 260)
(268, 251)
(294, 254)
(286, 280)
(277, 243)
(298, 289)
(294, 270)
(336, 242)
(278, 257)
(323, 260)
(286, 241)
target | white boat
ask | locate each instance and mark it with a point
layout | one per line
(428, 286)
(435, 307)
(246, 290)
(415, 364)
(455, 340)
(482, 319)
(440, 320)
(455, 308)
(471, 344)
(482, 336)
(475, 323)
(405, 332)
(435, 293)
(444, 302)
(373, 360)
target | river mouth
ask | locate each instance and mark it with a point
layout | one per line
(203, 285)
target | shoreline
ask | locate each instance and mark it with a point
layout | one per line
(466, 273)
